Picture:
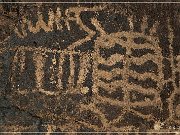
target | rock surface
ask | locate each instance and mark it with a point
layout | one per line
(110, 67)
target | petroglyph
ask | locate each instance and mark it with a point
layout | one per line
(54, 18)
(124, 80)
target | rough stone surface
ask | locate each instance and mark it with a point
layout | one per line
(89, 67)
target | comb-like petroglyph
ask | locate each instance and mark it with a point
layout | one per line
(90, 67)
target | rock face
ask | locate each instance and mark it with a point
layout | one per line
(89, 67)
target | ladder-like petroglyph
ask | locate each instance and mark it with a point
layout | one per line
(132, 63)
(57, 61)
(61, 57)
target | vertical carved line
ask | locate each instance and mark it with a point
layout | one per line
(84, 68)
(72, 66)
(125, 77)
(57, 19)
(153, 29)
(158, 53)
(131, 25)
(52, 69)
(95, 56)
(15, 60)
(144, 24)
(39, 72)
(60, 71)
(14, 68)
(22, 60)
(171, 38)
(51, 19)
